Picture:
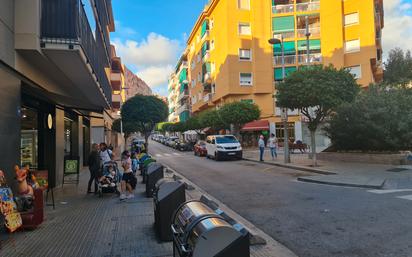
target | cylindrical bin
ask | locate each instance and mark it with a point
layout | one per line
(154, 173)
(168, 195)
(146, 165)
(199, 232)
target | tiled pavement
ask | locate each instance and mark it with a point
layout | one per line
(86, 225)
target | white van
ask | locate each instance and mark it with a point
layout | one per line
(223, 146)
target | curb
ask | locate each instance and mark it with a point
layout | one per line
(339, 183)
(295, 167)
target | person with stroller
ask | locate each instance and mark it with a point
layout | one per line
(106, 155)
(94, 168)
(129, 181)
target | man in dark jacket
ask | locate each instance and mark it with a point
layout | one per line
(94, 167)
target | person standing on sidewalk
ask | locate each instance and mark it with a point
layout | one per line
(105, 153)
(261, 144)
(129, 181)
(273, 144)
(94, 168)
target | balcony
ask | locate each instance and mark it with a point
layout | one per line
(206, 57)
(183, 95)
(289, 60)
(182, 108)
(314, 32)
(311, 59)
(308, 7)
(285, 34)
(283, 8)
(206, 35)
(68, 41)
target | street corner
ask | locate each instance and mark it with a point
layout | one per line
(345, 181)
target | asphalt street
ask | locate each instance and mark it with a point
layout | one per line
(311, 220)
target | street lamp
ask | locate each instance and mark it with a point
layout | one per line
(273, 41)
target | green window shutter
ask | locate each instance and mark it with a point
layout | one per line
(205, 27)
(184, 116)
(288, 70)
(205, 48)
(282, 24)
(313, 45)
(183, 75)
(289, 48)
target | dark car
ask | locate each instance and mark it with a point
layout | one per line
(182, 145)
(200, 148)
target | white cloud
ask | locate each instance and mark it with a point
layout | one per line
(398, 25)
(156, 76)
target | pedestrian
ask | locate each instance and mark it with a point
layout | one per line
(106, 154)
(261, 146)
(94, 168)
(273, 144)
(129, 181)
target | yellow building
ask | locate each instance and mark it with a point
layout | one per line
(230, 58)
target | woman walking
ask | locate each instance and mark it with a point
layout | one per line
(129, 181)
(94, 168)
(273, 144)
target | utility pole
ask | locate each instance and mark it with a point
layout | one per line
(307, 34)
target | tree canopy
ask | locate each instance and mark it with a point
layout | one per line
(238, 114)
(398, 67)
(142, 113)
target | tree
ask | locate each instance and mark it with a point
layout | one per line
(316, 91)
(127, 128)
(142, 113)
(212, 119)
(237, 114)
(398, 67)
(380, 119)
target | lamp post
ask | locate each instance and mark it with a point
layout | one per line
(307, 34)
(273, 41)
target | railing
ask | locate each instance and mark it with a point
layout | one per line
(65, 22)
(184, 107)
(206, 57)
(206, 35)
(307, 7)
(284, 8)
(286, 34)
(183, 94)
(312, 58)
(206, 77)
(314, 32)
(289, 60)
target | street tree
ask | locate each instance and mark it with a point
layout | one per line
(127, 128)
(316, 91)
(212, 119)
(193, 123)
(237, 114)
(142, 113)
(398, 67)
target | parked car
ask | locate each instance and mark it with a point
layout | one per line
(200, 148)
(164, 140)
(159, 138)
(183, 145)
(223, 147)
(171, 141)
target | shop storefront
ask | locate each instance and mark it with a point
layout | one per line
(250, 133)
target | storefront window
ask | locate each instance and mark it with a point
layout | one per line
(280, 131)
(29, 138)
(68, 125)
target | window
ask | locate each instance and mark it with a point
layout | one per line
(356, 71)
(211, 23)
(244, 29)
(243, 4)
(352, 46)
(199, 77)
(351, 19)
(193, 83)
(212, 44)
(245, 79)
(199, 57)
(245, 54)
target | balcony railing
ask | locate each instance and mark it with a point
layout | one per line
(307, 7)
(65, 22)
(284, 8)
(206, 57)
(183, 95)
(206, 35)
(314, 32)
(183, 108)
(285, 34)
(289, 60)
(312, 58)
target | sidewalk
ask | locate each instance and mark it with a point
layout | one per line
(86, 225)
(351, 174)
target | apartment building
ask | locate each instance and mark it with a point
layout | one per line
(55, 62)
(172, 98)
(230, 58)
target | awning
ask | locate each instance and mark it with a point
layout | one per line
(257, 125)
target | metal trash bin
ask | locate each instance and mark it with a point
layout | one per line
(153, 174)
(199, 232)
(168, 195)
(145, 166)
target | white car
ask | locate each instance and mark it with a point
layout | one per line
(223, 147)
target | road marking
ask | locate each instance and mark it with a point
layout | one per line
(389, 191)
(406, 197)
(177, 154)
(167, 154)
(158, 155)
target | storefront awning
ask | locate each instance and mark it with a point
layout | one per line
(257, 125)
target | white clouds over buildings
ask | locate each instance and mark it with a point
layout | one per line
(398, 25)
(154, 57)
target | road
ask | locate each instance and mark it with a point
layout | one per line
(310, 219)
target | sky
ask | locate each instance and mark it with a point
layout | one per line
(151, 34)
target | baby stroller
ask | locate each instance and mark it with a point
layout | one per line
(107, 183)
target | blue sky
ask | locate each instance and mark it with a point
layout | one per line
(150, 35)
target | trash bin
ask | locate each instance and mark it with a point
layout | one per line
(145, 166)
(153, 174)
(168, 195)
(199, 232)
